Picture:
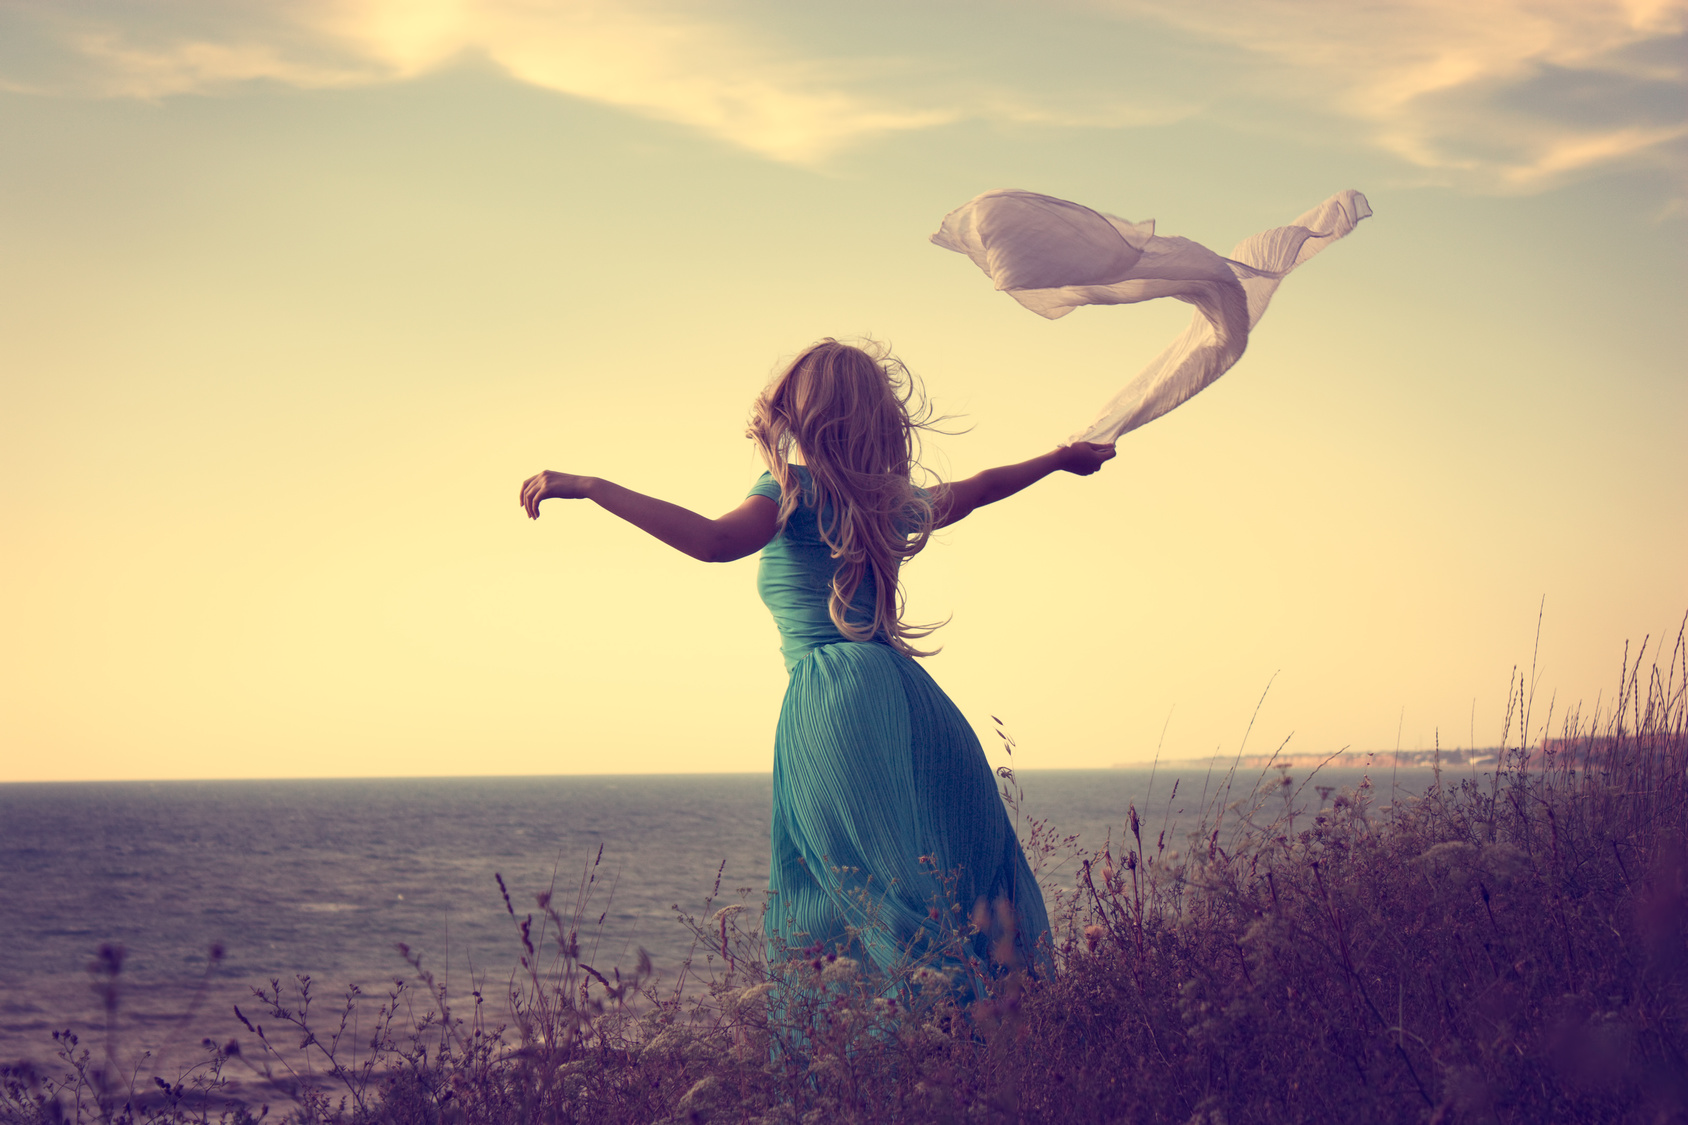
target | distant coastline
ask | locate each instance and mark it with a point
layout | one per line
(1344, 759)
(1575, 752)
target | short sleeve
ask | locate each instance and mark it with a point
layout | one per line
(767, 486)
(911, 520)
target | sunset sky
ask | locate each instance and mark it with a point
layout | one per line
(293, 296)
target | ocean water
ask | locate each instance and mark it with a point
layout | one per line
(325, 878)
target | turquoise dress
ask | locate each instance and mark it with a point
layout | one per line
(886, 812)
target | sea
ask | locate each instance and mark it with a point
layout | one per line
(209, 889)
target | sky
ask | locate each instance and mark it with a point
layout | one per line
(293, 297)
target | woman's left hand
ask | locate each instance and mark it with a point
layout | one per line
(1085, 457)
(551, 485)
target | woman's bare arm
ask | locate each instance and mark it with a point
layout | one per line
(956, 500)
(743, 531)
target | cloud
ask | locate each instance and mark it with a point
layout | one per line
(665, 62)
(1500, 95)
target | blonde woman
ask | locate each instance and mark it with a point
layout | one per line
(885, 809)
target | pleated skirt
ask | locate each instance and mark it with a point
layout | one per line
(890, 841)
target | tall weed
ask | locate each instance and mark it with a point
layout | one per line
(1510, 948)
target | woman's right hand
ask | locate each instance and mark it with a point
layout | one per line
(551, 485)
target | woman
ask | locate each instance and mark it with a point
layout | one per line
(887, 827)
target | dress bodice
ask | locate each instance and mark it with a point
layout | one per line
(794, 577)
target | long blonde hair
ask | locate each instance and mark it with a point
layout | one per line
(856, 414)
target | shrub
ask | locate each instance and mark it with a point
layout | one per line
(1511, 949)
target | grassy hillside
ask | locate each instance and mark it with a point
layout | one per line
(1512, 950)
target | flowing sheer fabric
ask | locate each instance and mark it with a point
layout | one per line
(1053, 256)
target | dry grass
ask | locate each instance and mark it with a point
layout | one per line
(1507, 950)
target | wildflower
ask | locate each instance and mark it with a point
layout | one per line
(926, 976)
(1448, 852)
(1093, 936)
(669, 1039)
(699, 1094)
(1504, 861)
(841, 969)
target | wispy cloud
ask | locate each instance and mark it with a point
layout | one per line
(670, 62)
(1504, 94)
(666, 61)
(1510, 95)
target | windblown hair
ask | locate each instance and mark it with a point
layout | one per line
(856, 415)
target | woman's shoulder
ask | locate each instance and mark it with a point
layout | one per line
(768, 485)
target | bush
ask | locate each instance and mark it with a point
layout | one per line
(1514, 949)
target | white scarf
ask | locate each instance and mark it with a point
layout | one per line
(1053, 256)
